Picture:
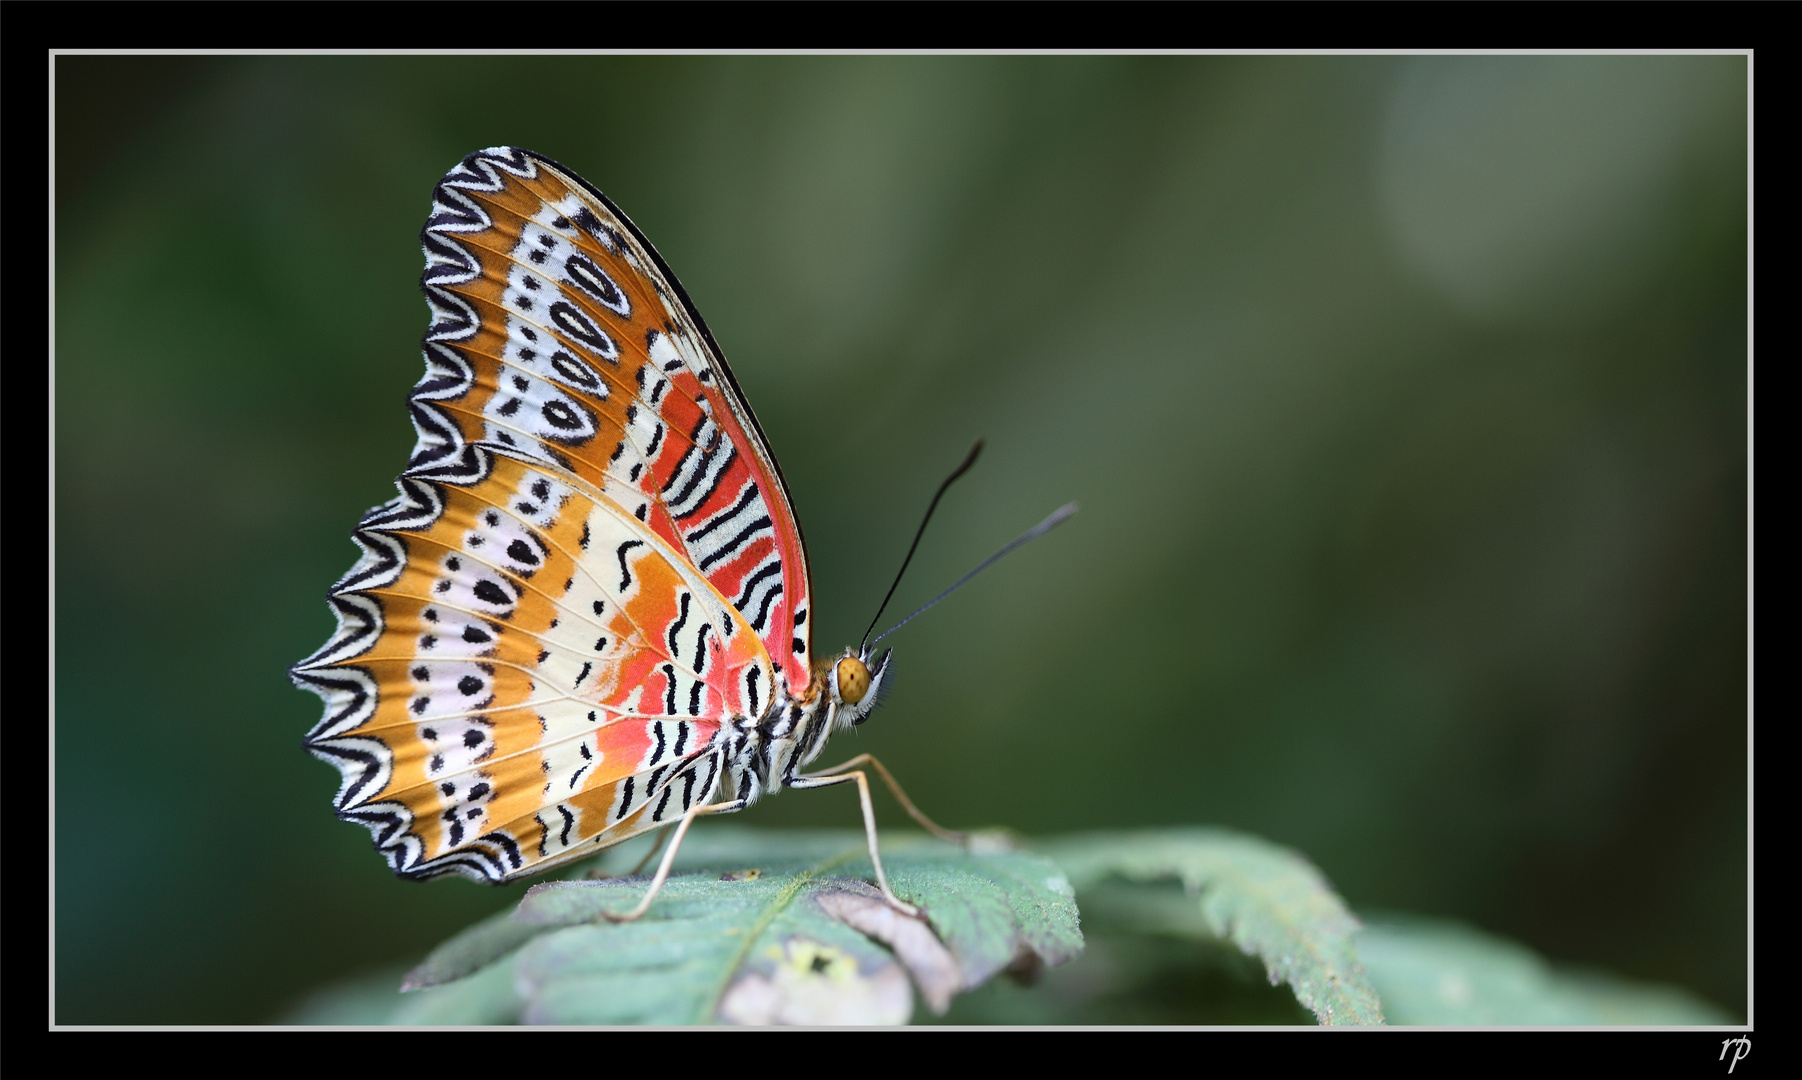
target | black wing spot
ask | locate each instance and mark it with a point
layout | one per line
(732, 546)
(561, 415)
(594, 281)
(763, 612)
(575, 371)
(625, 574)
(572, 322)
(750, 586)
(676, 627)
(700, 664)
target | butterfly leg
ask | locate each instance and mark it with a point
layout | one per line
(900, 796)
(869, 824)
(662, 838)
(638, 867)
(670, 857)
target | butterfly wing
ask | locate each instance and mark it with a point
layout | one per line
(591, 563)
(559, 332)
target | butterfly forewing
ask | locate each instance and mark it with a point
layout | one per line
(581, 350)
(592, 563)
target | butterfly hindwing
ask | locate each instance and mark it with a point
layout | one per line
(526, 673)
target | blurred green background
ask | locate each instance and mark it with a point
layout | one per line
(1405, 399)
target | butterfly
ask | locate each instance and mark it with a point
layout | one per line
(586, 613)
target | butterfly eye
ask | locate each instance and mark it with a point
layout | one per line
(853, 680)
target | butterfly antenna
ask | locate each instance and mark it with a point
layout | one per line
(1057, 518)
(930, 507)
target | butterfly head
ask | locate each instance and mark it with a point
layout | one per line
(856, 686)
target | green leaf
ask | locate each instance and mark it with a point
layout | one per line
(1267, 900)
(1439, 972)
(756, 927)
(471, 950)
(1186, 926)
(367, 998)
(1138, 979)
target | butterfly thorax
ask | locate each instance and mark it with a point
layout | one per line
(763, 755)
